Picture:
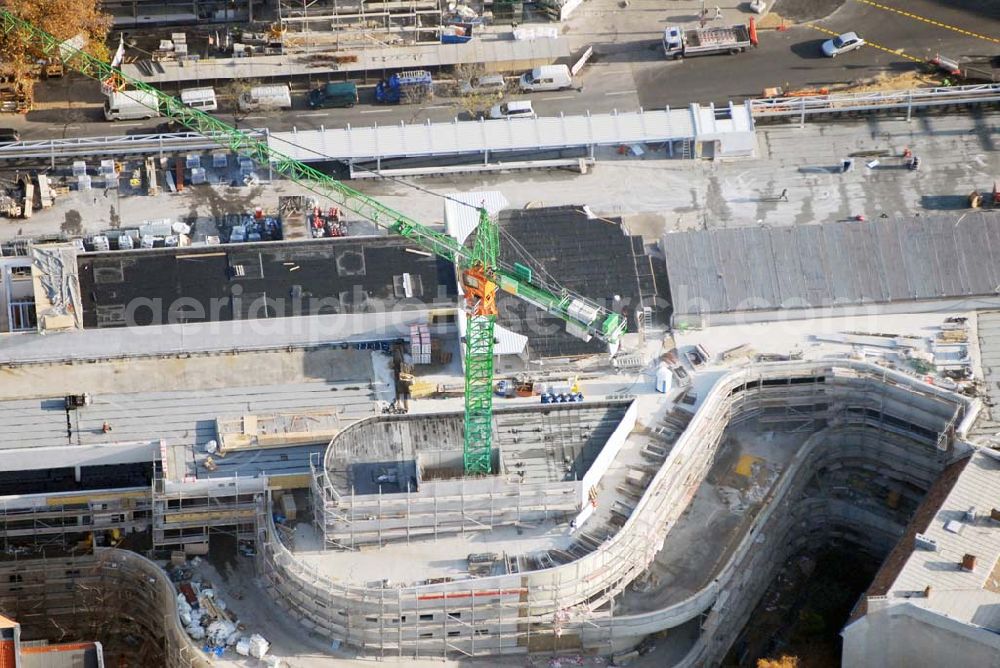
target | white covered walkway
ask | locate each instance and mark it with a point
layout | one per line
(729, 130)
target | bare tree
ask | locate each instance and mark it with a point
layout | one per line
(470, 99)
(232, 92)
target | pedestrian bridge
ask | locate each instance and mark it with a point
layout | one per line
(700, 130)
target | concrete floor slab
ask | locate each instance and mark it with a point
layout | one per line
(402, 563)
(959, 152)
(179, 399)
(722, 509)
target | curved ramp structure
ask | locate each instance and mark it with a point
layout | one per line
(851, 415)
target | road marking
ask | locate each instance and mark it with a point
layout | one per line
(621, 92)
(895, 52)
(314, 113)
(557, 97)
(438, 106)
(930, 21)
(376, 111)
(128, 125)
(253, 118)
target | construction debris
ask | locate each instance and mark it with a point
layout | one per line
(206, 617)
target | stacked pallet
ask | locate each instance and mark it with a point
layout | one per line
(420, 344)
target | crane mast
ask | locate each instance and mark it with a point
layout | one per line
(482, 271)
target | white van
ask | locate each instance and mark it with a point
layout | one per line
(202, 99)
(547, 77)
(266, 98)
(131, 104)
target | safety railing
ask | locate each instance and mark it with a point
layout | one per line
(140, 144)
(906, 100)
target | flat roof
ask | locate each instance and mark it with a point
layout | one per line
(594, 257)
(498, 135)
(833, 264)
(956, 535)
(346, 275)
(186, 416)
(62, 655)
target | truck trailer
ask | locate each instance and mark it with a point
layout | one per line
(678, 42)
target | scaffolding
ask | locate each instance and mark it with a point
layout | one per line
(326, 26)
(114, 596)
(563, 599)
(541, 458)
(186, 513)
(32, 523)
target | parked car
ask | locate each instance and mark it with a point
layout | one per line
(513, 109)
(842, 44)
(334, 95)
(487, 84)
(9, 135)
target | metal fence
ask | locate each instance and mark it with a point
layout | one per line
(89, 147)
(903, 100)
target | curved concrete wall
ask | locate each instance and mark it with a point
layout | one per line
(562, 604)
(111, 590)
(831, 445)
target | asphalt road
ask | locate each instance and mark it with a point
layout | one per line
(635, 74)
(792, 59)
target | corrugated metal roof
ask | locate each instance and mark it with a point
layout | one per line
(462, 137)
(833, 264)
(976, 488)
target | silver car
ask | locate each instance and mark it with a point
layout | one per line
(842, 44)
(486, 84)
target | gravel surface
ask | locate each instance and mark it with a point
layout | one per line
(806, 10)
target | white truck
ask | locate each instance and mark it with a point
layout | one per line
(678, 42)
(130, 104)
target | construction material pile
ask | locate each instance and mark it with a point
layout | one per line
(205, 615)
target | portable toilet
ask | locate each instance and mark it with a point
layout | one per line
(664, 378)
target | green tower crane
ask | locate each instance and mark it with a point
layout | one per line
(482, 271)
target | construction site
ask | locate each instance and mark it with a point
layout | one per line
(619, 402)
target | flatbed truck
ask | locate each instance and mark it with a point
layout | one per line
(679, 42)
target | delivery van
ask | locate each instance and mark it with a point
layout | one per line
(334, 95)
(266, 98)
(202, 99)
(547, 77)
(131, 104)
